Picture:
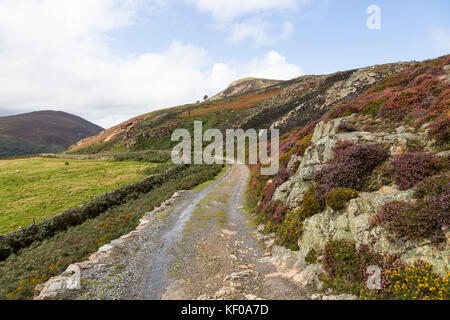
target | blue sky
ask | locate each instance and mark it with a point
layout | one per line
(110, 60)
(328, 35)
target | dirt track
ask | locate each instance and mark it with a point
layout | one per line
(199, 247)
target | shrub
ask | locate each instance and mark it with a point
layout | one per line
(303, 144)
(311, 257)
(440, 130)
(310, 204)
(337, 198)
(144, 156)
(373, 107)
(380, 177)
(387, 212)
(340, 260)
(417, 282)
(433, 186)
(5, 251)
(343, 110)
(425, 220)
(351, 166)
(409, 169)
(290, 230)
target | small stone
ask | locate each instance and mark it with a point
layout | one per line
(106, 248)
(400, 130)
(261, 228)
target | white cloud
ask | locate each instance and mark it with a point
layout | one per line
(274, 66)
(288, 29)
(54, 54)
(441, 38)
(245, 30)
(258, 31)
(227, 10)
(234, 16)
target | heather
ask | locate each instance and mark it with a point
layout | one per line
(416, 95)
(408, 169)
(416, 99)
(351, 166)
(426, 220)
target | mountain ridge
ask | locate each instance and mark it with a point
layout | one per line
(42, 131)
(281, 104)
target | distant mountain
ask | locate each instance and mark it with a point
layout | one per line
(41, 132)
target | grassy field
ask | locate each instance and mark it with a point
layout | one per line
(45, 187)
(20, 273)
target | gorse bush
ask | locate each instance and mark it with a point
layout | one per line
(290, 230)
(337, 198)
(351, 166)
(408, 169)
(340, 260)
(347, 266)
(417, 282)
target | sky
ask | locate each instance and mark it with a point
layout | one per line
(111, 60)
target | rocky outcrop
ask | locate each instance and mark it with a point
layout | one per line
(243, 86)
(325, 137)
(353, 223)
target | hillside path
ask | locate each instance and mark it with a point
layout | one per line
(200, 246)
